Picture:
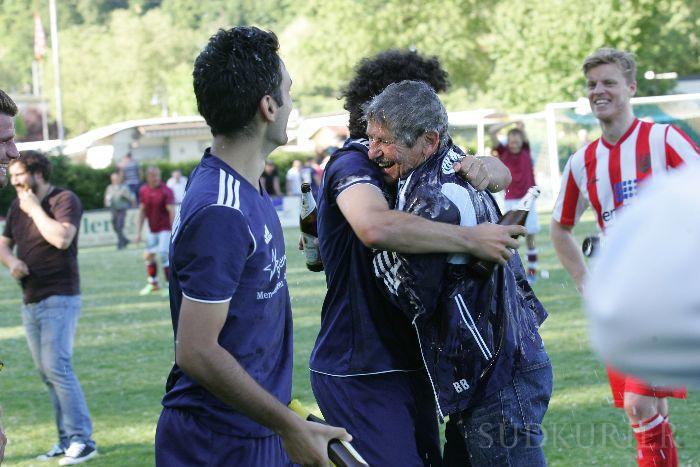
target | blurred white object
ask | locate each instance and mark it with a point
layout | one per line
(643, 292)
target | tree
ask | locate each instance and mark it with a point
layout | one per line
(112, 72)
(537, 47)
(328, 38)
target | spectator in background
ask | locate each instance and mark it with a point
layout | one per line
(311, 173)
(517, 157)
(8, 150)
(325, 157)
(270, 179)
(293, 179)
(158, 206)
(43, 224)
(132, 174)
(118, 198)
(177, 183)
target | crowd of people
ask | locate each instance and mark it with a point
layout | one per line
(403, 215)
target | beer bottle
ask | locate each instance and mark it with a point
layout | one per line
(340, 452)
(309, 231)
(516, 216)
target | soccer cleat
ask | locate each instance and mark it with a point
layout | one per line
(165, 292)
(149, 289)
(78, 453)
(52, 453)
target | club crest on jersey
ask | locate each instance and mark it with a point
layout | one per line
(451, 157)
(276, 265)
(624, 190)
(268, 235)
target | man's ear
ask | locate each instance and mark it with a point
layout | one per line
(633, 87)
(431, 142)
(268, 108)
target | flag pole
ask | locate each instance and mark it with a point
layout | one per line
(57, 68)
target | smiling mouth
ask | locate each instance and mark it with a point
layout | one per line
(384, 163)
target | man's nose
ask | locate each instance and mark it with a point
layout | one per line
(12, 151)
(598, 88)
(374, 151)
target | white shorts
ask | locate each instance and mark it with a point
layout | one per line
(532, 224)
(159, 243)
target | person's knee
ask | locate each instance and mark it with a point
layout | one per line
(639, 407)
(149, 257)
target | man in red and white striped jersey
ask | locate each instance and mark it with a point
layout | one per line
(605, 174)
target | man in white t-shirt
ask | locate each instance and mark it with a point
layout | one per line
(177, 183)
(293, 179)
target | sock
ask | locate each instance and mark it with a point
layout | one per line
(532, 261)
(152, 272)
(166, 273)
(655, 444)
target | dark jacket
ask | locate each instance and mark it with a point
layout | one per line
(473, 333)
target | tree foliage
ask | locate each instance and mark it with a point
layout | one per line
(125, 59)
(538, 47)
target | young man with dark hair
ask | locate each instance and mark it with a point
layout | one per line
(8, 149)
(605, 174)
(43, 224)
(157, 205)
(365, 363)
(479, 339)
(227, 393)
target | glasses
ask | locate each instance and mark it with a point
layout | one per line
(380, 141)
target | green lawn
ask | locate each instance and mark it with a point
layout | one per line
(124, 350)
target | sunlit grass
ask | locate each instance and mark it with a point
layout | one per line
(124, 350)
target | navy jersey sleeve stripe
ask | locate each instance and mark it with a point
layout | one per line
(206, 301)
(222, 187)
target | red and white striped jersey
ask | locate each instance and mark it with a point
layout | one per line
(606, 176)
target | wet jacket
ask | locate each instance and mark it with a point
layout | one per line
(473, 333)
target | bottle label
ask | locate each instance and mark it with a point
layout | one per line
(311, 252)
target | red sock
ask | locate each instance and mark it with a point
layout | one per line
(152, 272)
(532, 261)
(166, 273)
(655, 444)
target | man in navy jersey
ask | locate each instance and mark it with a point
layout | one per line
(365, 363)
(227, 395)
(478, 336)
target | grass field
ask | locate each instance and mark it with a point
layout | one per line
(124, 350)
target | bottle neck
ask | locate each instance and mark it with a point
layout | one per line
(527, 201)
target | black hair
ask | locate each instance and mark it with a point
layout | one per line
(236, 69)
(374, 74)
(516, 131)
(35, 162)
(7, 105)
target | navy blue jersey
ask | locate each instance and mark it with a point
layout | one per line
(473, 332)
(227, 245)
(361, 332)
